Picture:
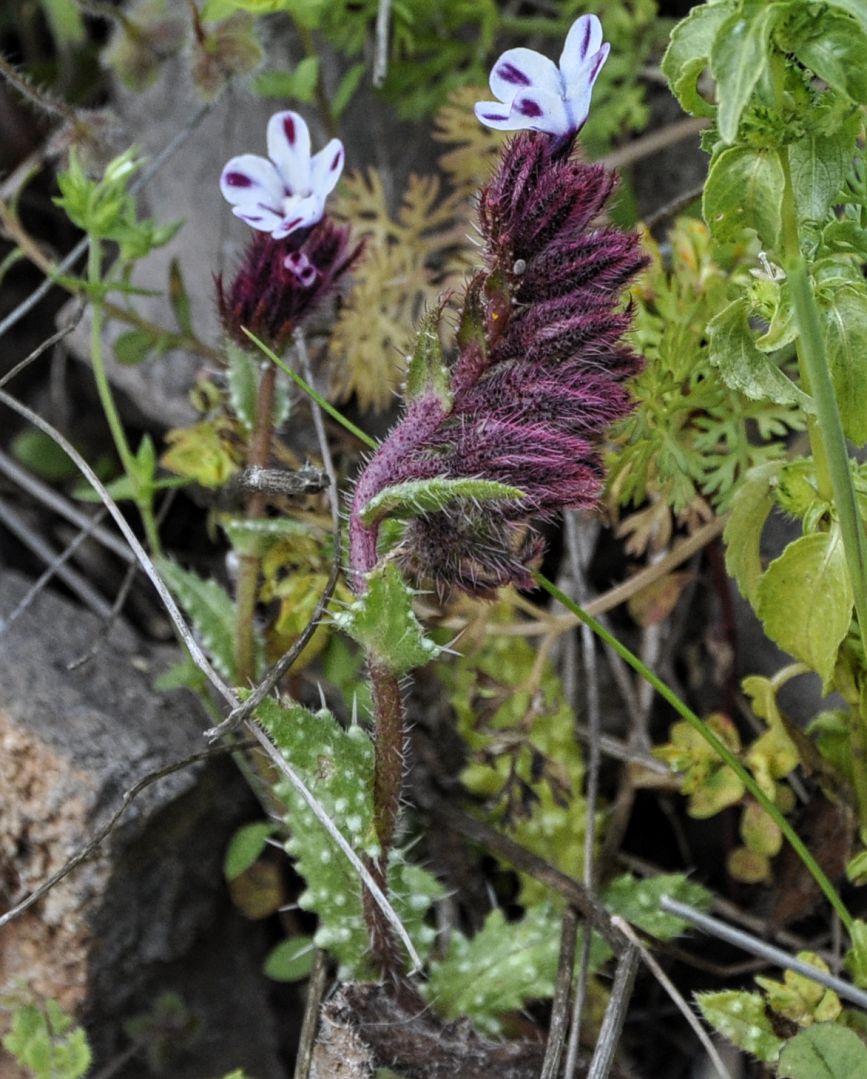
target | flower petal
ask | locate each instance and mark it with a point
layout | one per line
(289, 149)
(518, 70)
(250, 180)
(583, 40)
(326, 167)
(299, 213)
(532, 110)
(578, 100)
(258, 217)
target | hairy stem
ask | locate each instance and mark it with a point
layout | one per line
(250, 564)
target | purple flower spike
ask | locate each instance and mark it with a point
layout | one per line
(538, 374)
(287, 190)
(537, 95)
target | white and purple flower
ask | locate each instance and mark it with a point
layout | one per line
(536, 94)
(287, 190)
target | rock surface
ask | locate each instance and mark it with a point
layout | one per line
(148, 912)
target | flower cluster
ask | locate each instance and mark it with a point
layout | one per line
(539, 374)
(297, 254)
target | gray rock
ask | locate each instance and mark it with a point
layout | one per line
(148, 912)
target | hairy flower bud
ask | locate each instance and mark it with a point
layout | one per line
(279, 282)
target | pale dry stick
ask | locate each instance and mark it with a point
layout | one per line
(196, 653)
(56, 562)
(119, 600)
(40, 349)
(53, 569)
(653, 142)
(239, 714)
(62, 507)
(380, 50)
(310, 1023)
(591, 682)
(558, 1028)
(615, 1015)
(748, 943)
(670, 988)
(80, 249)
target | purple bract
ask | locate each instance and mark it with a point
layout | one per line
(536, 94)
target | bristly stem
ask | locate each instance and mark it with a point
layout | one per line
(713, 741)
(249, 564)
(143, 498)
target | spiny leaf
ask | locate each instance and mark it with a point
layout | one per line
(417, 497)
(211, 610)
(740, 1017)
(384, 624)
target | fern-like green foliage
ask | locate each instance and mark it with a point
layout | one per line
(690, 438)
(336, 764)
(524, 759)
(45, 1040)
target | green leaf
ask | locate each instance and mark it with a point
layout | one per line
(211, 610)
(384, 624)
(65, 21)
(740, 1017)
(245, 846)
(298, 84)
(243, 380)
(824, 1051)
(133, 347)
(856, 958)
(504, 965)
(739, 57)
(819, 166)
(336, 764)
(45, 1041)
(844, 319)
(637, 900)
(180, 298)
(805, 600)
(744, 367)
(689, 51)
(751, 506)
(291, 960)
(41, 455)
(346, 88)
(838, 54)
(744, 189)
(854, 7)
(257, 536)
(417, 497)
(427, 372)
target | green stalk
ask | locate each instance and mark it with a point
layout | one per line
(312, 394)
(712, 740)
(144, 502)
